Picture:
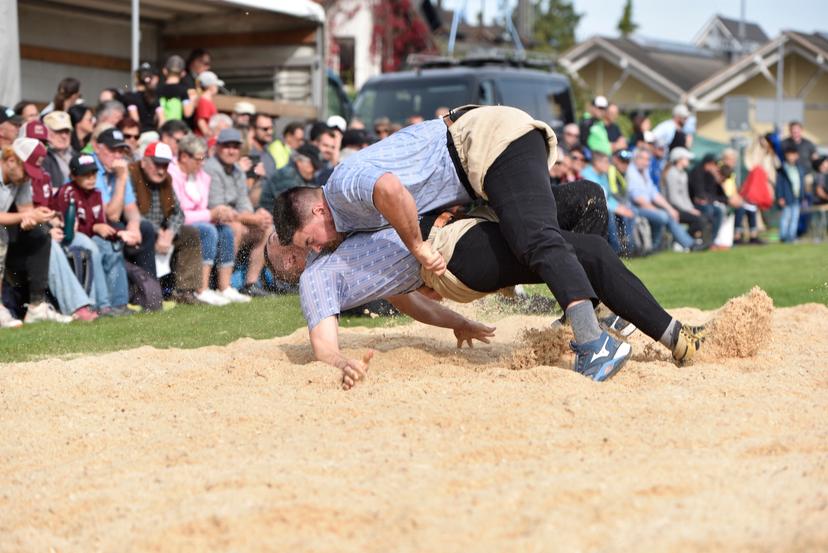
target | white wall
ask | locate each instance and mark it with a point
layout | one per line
(359, 28)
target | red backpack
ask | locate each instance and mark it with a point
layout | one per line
(756, 189)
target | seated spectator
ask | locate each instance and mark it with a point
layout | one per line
(59, 138)
(109, 94)
(131, 130)
(618, 190)
(571, 137)
(24, 244)
(382, 128)
(324, 138)
(192, 188)
(579, 162)
(242, 116)
(559, 172)
(177, 100)
(677, 191)
(658, 161)
(593, 128)
(142, 104)
(650, 204)
(110, 113)
(262, 137)
(820, 166)
(354, 140)
(206, 108)
(670, 133)
(790, 183)
(706, 192)
(10, 124)
(218, 123)
(67, 95)
(83, 125)
(110, 292)
(118, 196)
(641, 125)
(306, 161)
(171, 133)
(159, 205)
(598, 172)
(27, 111)
(228, 188)
(617, 139)
(292, 137)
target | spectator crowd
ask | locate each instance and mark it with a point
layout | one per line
(153, 195)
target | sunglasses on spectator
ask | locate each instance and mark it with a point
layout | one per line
(131, 136)
(199, 159)
(265, 129)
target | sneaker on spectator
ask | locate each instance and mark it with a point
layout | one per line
(122, 311)
(44, 312)
(254, 291)
(7, 320)
(84, 314)
(234, 296)
(211, 297)
(601, 358)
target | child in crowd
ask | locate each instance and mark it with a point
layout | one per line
(177, 101)
(790, 181)
(210, 84)
(109, 282)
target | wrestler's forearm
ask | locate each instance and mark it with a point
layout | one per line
(324, 339)
(428, 311)
(398, 207)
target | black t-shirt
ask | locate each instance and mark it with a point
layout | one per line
(613, 132)
(146, 111)
(171, 98)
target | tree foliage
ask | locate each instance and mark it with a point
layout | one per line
(626, 25)
(398, 31)
(554, 27)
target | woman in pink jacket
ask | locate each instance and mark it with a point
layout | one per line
(192, 186)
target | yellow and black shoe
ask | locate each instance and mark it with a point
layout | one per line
(686, 343)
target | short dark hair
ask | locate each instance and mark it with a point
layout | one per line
(173, 126)
(291, 211)
(292, 128)
(790, 149)
(318, 129)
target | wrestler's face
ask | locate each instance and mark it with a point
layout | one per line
(286, 262)
(319, 233)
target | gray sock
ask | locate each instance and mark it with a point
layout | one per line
(669, 336)
(584, 323)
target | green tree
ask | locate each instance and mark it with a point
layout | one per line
(555, 24)
(626, 25)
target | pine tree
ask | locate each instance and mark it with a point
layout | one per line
(554, 28)
(626, 25)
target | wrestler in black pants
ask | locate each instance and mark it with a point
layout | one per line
(582, 207)
(518, 189)
(483, 261)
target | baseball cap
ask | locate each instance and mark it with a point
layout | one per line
(681, 111)
(8, 114)
(146, 71)
(58, 121)
(680, 153)
(34, 129)
(312, 153)
(337, 121)
(208, 78)
(82, 164)
(30, 151)
(112, 139)
(244, 108)
(159, 153)
(229, 135)
(624, 155)
(600, 102)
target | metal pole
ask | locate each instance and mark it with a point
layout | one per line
(455, 22)
(136, 36)
(780, 93)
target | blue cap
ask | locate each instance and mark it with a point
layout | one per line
(229, 135)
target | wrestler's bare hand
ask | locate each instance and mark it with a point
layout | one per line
(472, 330)
(429, 259)
(354, 370)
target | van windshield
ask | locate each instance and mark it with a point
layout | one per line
(400, 100)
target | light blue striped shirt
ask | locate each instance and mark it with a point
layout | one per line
(367, 266)
(417, 155)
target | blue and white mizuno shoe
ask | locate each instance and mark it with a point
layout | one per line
(601, 358)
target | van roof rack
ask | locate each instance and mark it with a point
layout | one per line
(480, 58)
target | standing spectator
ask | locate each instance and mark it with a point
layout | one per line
(670, 133)
(651, 205)
(641, 125)
(228, 188)
(198, 62)
(706, 192)
(158, 204)
(9, 126)
(677, 191)
(206, 108)
(804, 147)
(299, 172)
(293, 136)
(24, 244)
(176, 99)
(658, 161)
(593, 130)
(617, 139)
(67, 95)
(110, 113)
(110, 292)
(571, 137)
(790, 182)
(83, 124)
(59, 137)
(192, 188)
(143, 105)
(109, 94)
(131, 130)
(262, 137)
(27, 111)
(118, 196)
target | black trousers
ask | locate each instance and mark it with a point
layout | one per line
(696, 223)
(484, 261)
(27, 260)
(517, 185)
(142, 255)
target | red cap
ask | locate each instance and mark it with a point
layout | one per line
(36, 130)
(31, 152)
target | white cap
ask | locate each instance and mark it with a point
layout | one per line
(208, 78)
(649, 137)
(600, 102)
(244, 108)
(681, 111)
(337, 121)
(680, 153)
